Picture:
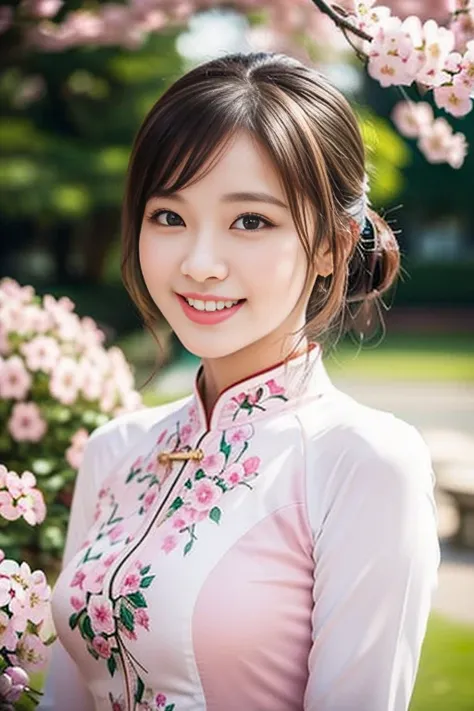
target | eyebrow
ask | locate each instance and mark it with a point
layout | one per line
(230, 197)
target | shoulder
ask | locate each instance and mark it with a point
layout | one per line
(352, 446)
(108, 442)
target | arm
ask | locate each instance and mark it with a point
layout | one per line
(376, 556)
(65, 688)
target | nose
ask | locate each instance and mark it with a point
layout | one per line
(203, 260)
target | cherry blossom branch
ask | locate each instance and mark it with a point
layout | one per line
(336, 14)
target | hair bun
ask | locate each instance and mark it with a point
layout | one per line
(375, 262)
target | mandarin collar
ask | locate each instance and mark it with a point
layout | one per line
(264, 393)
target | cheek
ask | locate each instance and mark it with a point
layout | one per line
(154, 261)
(280, 269)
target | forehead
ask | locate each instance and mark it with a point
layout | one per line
(241, 164)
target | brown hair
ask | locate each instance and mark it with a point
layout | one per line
(312, 135)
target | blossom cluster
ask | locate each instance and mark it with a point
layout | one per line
(436, 139)
(49, 354)
(26, 627)
(19, 497)
(57, 383)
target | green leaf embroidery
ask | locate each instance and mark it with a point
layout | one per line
(137, 599)
(215, 514)
(146, 582)
(126, 617)
(145, 570)
(139, 690)
(200, 474)
(259, 393)
(188, 547)
(169, 707)
(74, 619)
(224, 447)
(86, 627)
(111, 665)
(188, 484)
(177, 503)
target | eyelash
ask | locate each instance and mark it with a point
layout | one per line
(153, 218)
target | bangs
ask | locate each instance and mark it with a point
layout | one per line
(194, 131)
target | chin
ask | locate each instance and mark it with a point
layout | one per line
(204, 346)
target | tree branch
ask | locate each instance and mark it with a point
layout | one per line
(337, 17)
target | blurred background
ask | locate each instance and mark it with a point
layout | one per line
(69, 109)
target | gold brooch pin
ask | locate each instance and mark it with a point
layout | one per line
(192, 454)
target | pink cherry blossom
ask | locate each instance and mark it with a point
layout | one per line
(251, 465)
(435, 140)
(15, 380)
(161, 436)
(41, 353)
(77, 602)
(234, 474)
(26, 423)
(101, 615)
(239, 435)
(412, 117)
(457, 150)
(169, 543)
(150, 497)
(142, 619)
(32, 653)
(204, 495)
(130, 582)
(454, 98)
(116, 532)
(160, 700)
(274, 388)
(32, 320)
(8, 508)
(8, 635)
(438, 43)
(185, 434)
(78, 579)
(368, 17)
(102, 646)
(65, 381)
(95, 574)
(212, 463)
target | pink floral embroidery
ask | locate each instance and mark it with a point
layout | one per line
(219, 471)
(102, 646)
(101, 614)
(204, 495)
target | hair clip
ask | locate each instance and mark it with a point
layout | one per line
(368, 236)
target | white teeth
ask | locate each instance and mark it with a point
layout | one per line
(210, 305)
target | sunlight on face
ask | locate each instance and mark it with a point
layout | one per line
(229, 237)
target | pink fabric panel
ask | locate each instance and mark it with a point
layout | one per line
(252, 619)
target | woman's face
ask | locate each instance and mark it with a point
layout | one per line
(226, 241)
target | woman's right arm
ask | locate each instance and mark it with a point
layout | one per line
(65, 688)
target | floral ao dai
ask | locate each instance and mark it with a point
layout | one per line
(275, 573)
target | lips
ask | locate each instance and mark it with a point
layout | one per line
(205, 317)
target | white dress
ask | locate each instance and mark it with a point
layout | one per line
(289, 566)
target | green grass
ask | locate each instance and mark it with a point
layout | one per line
(445, 680)
(407, 357)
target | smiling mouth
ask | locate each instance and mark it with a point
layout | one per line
(209, 305)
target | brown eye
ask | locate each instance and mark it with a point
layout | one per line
(252, 223)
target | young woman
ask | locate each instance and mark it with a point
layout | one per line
(268, 543)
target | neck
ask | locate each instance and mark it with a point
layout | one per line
(218, 374)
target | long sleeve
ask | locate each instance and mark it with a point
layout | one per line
(376, 556)
(64, 687)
